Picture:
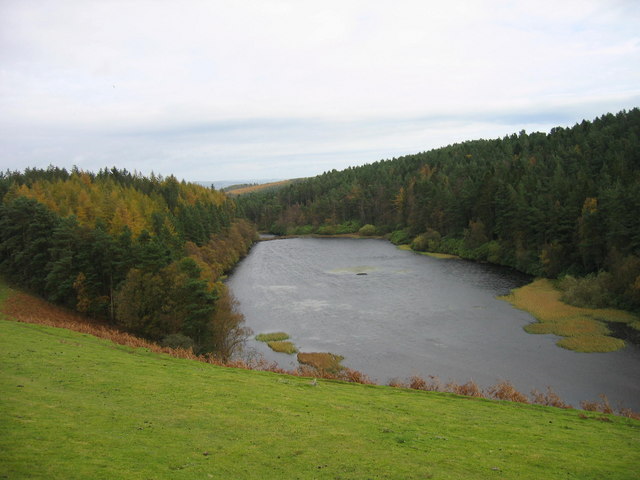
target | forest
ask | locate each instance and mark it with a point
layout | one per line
(562, 204)
(146, 255)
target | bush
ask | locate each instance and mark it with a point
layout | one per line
(350, 226)
(327, 230)
(368, 230)
(427, 241)
(591, 291)
(177, 340)
(400, 237)
(304, 230)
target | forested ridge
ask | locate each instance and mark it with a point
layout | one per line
(145, 254)
(559, 204)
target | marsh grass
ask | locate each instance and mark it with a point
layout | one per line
(583, 328)
(447, 256)
(591, 343)
(324, 362)
(283, 347)
(272, 337)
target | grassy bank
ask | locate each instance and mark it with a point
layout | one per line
(75, 406)
(80, 407)
(582, 329)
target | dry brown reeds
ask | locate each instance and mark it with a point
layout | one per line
(504, 390)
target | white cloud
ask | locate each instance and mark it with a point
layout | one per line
(305, 85)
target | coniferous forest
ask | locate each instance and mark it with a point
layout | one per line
(146, 255)
(563, 204)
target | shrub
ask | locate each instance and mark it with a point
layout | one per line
(549, 399)
(350, 226)
(427, 241)
(506, 391)
(368, 230)
(327, 230)
(591, 291)
(400, 237)
(177, 340)
(303, 230)
(469, 389)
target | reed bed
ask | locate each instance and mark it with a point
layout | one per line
(583, 329)
(322, 361)
(272, 337)
(283, 347)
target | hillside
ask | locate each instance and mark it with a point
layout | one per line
(145, 254)
(548, 204)
(244, 189)
(75, 406)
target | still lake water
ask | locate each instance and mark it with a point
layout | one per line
(415, 315)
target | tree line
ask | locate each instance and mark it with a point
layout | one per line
(145, 253)
(557, 204)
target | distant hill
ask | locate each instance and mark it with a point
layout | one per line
(225, 184)
(243, 189)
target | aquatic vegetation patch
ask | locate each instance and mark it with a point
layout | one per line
(323, 362)
(283, 347)
(272, 337)
(591, 343)
(447, 256)
(584, 329)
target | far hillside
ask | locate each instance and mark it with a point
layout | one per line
(562, 204)
(244, 189)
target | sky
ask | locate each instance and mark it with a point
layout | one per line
(272, 89)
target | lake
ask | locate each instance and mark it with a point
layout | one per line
(415, 315)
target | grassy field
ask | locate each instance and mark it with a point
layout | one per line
(76, 407)
(583, 329)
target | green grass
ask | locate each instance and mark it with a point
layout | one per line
(283, 347)
(76, 407)
(272, 337)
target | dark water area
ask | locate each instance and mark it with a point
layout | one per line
(415, 315)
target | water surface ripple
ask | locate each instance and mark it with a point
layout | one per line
(415, 315)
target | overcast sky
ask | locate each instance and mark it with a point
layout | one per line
(230, 90)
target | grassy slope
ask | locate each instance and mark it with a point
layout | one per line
(74, 406)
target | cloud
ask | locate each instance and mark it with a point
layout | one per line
(213, 89)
